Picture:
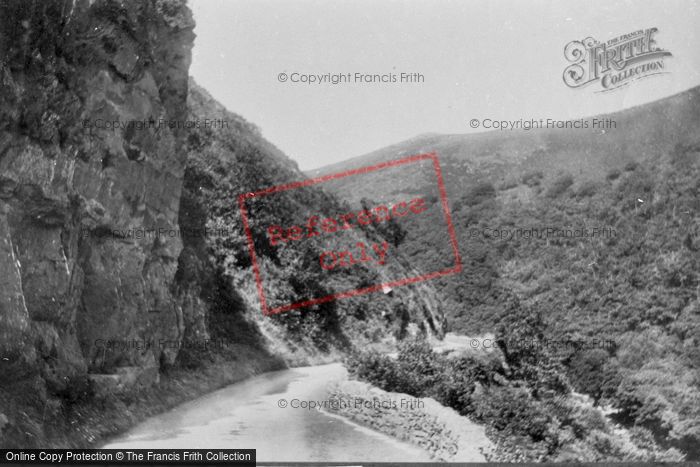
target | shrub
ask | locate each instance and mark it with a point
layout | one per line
(507, 184)
(586, 190)
(592, 371)
(560, 185)
(631, 166)
(374, 367)
(482, 191)
(391, 230)
(513, 410)
(533, 179)
(452, 381)
(614, 174)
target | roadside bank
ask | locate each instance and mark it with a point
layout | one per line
(423, 422)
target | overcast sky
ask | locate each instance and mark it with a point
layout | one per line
(480, 59)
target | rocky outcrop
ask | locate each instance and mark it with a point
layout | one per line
(79, 161)
(107, 274)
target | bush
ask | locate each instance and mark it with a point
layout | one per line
(614, 174)
(391, 230)
(376, 368)
(592, 371)
(631, 166)
(527, 422)
(460, 378)
(452, 381)
(512, 410)
(586, 190)
(482, 191)
(532, 179)
(560, 185)
(507, 184)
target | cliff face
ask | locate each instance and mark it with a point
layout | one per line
(68, 183)
(105, 276)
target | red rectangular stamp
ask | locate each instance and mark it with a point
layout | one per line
(358, 233)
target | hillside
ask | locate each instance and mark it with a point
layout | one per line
(223, 164)
(641, 132)
(585, 247)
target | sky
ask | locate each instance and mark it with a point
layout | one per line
(498, 59)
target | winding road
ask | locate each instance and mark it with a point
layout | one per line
(249, 415)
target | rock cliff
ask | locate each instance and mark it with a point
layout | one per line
(69, 181)
(102, 182)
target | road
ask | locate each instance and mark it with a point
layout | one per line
(247, 415)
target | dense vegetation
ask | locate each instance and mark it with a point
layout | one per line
(224, 164)
(527, 408)
(633, 283)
